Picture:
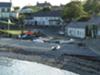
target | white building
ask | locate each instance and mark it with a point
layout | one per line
(76, 29)
(45, 18)
(5, 8)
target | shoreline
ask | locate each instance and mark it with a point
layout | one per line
(31, 58)
(65, 62)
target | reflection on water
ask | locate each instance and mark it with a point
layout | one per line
(17, 67)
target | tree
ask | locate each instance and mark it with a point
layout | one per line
(92, 6)
(73, 10)
(16, 8)
(46, 9)
(21, 22)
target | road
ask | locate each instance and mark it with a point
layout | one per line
(26, 44)
(94, 44)
(70, 49)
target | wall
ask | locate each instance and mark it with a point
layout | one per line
(46, 20)
(76, 32)
(98, 33)
(4, 12)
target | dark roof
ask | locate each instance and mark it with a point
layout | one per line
(48, 13)
(95, 20)
(79, 24)
(43, 4)
(26, 7)
(5, 4)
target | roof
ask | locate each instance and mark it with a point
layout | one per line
(48, 13)
(27, 7)
(5, 4)
(26, 10)
(80, 24)
(95, 20)
(43, 4)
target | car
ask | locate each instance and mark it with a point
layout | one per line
(26, 37)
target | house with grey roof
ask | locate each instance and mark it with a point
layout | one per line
(46, 18)
(43, 5)
(79, 29)
(76, 29)
(96, 21)
(5, 8)
(26, 9)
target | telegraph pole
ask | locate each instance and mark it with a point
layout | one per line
(9, 16)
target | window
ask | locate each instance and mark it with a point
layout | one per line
(78, 32)
(2, 10)
(70, 32)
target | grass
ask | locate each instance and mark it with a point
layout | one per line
(6, 23)
(12, 32)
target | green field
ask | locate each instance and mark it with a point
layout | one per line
(12, 32)
(6, 23)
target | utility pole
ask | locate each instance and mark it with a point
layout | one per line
(9, 16)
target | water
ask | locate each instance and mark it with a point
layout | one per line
(17, 67)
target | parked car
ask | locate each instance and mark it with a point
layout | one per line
(26, 37)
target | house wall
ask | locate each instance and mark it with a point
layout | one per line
(4, 12)
(98, 33)
(76, 32)
(4, 15)
(44, 20)
(3, 9)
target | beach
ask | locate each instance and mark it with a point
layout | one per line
(71, 63)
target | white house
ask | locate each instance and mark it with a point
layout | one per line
(76, 29)
(6, 11)
(45, 18)
(5, 8)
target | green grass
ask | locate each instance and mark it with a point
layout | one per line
(12, 32)
(6, 23)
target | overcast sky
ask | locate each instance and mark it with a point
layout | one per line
(33, 2)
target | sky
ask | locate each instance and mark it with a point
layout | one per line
(22, 3)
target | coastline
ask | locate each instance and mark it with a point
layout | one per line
(65, 62)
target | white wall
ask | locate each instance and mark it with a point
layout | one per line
(98, 33)
(46, 20)
(7, 14)
(4, 14)
(76, 32)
